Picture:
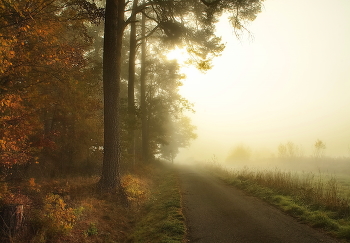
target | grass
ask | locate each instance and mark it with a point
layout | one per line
(162, 219)
(319, 200)
(71, 210)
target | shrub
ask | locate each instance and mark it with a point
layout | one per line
(56, 218)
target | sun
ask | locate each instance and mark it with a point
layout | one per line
(182, 57)
(178, 54)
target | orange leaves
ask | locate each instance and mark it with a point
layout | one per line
(24, 28)
(47, 99)
(32, 39)
(10, 101)
(15, 131)
(11, 54)
(6, 53)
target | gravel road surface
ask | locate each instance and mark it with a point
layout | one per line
(219, 213)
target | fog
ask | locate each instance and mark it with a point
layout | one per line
(287, 82)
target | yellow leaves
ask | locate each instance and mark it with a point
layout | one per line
(200, 59)
(58, 217)
(136, 188)
(204, 65)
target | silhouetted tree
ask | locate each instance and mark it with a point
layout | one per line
(319, 148)
(289, 150)
(180, 132)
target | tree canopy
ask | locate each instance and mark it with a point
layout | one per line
(65, 62)
(179, 21)
(47, 90)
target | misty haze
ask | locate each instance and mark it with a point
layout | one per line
(287, 82)
(211, 121)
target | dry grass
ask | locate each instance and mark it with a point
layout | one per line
(318, 199)
(308, 188)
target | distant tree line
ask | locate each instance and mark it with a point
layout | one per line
(288, 151)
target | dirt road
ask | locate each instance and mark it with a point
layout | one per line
(218, 213)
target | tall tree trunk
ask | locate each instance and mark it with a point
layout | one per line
(144, 122)
(131, 82)
(113, 36)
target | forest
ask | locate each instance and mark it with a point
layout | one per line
(86, 90)
(52, 98)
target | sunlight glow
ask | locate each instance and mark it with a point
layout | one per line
(179, 54)
(289, 82)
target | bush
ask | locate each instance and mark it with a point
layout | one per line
(56, 218)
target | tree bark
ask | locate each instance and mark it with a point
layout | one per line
(113, 36)
(131, 82)
(144, 121)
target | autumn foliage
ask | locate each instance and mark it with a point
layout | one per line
(48, 95)
(16, 129)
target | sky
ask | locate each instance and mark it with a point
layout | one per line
(289, 81)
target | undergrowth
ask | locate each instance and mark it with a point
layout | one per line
(65, 210)
(72, 210)
(317, 200)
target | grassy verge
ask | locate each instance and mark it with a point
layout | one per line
(320, 202)
(161, 219)
(71, 210)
